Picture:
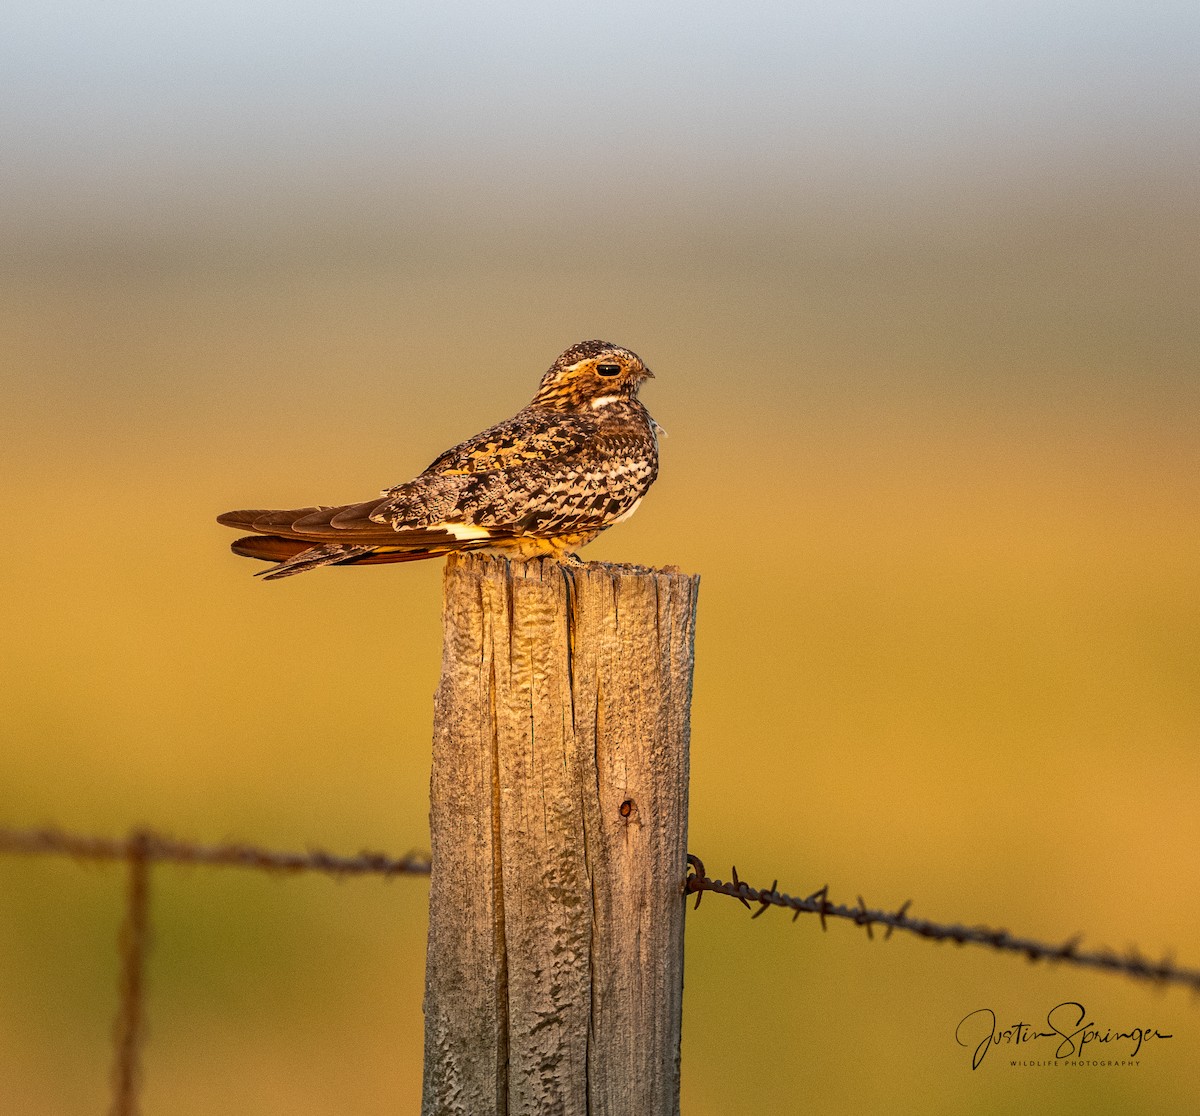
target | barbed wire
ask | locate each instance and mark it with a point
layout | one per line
(151, 846)
(143, 847)
(1131, 964)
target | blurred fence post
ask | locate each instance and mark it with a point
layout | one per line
(554, 975)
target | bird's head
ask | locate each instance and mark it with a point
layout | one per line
(590, 375)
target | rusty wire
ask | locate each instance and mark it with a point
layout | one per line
(153, 846)
(1131, 964)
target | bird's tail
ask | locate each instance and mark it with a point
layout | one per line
(298, 556)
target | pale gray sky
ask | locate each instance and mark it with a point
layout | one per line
(123, 104)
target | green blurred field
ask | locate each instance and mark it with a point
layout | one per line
(948, 636)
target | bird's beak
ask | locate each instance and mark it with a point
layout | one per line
(646, 373)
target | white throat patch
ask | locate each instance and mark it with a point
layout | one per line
(604, 401)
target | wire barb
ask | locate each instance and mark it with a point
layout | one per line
(865, 919)
(899, 915)
(697, 872)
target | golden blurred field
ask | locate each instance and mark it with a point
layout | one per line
(933, 448)
(947, 649)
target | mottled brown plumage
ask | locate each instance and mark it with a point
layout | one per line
(578, 459)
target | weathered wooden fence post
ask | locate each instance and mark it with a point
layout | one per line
(554, 977)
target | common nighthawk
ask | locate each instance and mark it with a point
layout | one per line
(578, 459)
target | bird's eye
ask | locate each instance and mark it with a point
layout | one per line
(608, 369)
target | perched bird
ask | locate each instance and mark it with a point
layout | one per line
(578, 459)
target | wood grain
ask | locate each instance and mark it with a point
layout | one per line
(554, 976)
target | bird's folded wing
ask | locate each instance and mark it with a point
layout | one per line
(526, 438)
(351, 524)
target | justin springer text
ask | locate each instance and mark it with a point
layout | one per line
(1068, 1024)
